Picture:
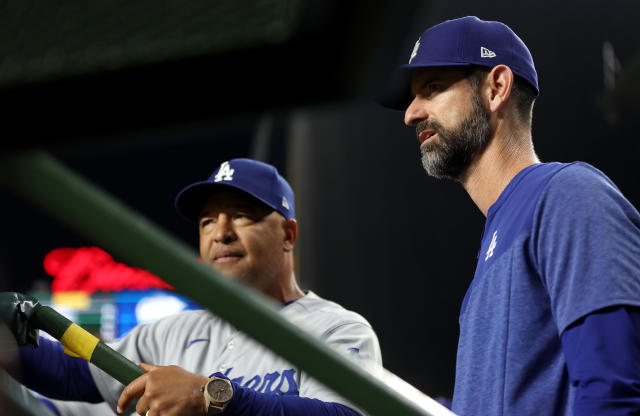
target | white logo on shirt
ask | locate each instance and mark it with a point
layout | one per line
(486, 53)
(492, 245)
(225, 173)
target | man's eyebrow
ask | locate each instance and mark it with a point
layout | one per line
(244, 206)
(422, 81)
(240, 206)
(430, 79)
(426, 77)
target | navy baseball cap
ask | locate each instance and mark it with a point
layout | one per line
(258, 179)
(461, 42)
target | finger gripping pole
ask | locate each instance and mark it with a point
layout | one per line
(80, 343)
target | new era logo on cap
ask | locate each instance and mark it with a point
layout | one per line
(486, 53)
(285, 203)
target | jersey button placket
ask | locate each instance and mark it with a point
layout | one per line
(230, 345)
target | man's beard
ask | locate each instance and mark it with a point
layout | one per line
(454, 149)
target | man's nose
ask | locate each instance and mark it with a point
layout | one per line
(225, 232)
(415, 112)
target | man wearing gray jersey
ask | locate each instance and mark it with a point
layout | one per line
(246, 221)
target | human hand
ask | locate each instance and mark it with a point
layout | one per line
(165, 391)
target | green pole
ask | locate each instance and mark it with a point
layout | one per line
(41, 179)
(83, 344)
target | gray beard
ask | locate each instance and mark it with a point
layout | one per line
(454, 149)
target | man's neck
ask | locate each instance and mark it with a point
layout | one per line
(292, 291)
(286, 290)
(492, 170)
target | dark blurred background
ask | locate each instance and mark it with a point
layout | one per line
(144, 97)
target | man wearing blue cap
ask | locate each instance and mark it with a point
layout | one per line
(245, 215)
(551, 321)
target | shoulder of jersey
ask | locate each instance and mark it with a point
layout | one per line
(186, 319)
(323, 313)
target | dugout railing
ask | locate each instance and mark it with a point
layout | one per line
(41, 179)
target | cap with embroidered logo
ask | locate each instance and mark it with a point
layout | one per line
(258, 179)
(461, 42)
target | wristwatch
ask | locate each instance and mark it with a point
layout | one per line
(217, 395)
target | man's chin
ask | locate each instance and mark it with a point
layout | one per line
(235, 273)
(226, 269)
(439, 165)
(433, 165)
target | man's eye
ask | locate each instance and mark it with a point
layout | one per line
(206, 222)
(432, 88)
(242, 216)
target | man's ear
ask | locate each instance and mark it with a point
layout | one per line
(498, 87)
(290, 234)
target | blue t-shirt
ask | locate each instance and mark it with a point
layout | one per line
(560, 243)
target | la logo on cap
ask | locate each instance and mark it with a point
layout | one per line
(225, 173)
(415, 50)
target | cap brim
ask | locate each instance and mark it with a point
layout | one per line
(397, 95)
(397, 92)
(190, 200)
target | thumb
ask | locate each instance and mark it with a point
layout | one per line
(148, 367)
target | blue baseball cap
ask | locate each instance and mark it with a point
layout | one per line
(461, 42)
(258, 179)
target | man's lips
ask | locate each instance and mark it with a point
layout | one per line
(426, 135)
(226, 256)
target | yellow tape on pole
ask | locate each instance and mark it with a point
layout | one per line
(78, 342)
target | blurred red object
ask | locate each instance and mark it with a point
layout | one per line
(92, 269)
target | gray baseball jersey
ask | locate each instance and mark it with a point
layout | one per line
(202, 343)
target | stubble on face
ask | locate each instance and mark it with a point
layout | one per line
(455, 148)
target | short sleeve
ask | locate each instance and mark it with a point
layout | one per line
(586, 244)
(358, 342)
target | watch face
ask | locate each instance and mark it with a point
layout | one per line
(220, 390)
